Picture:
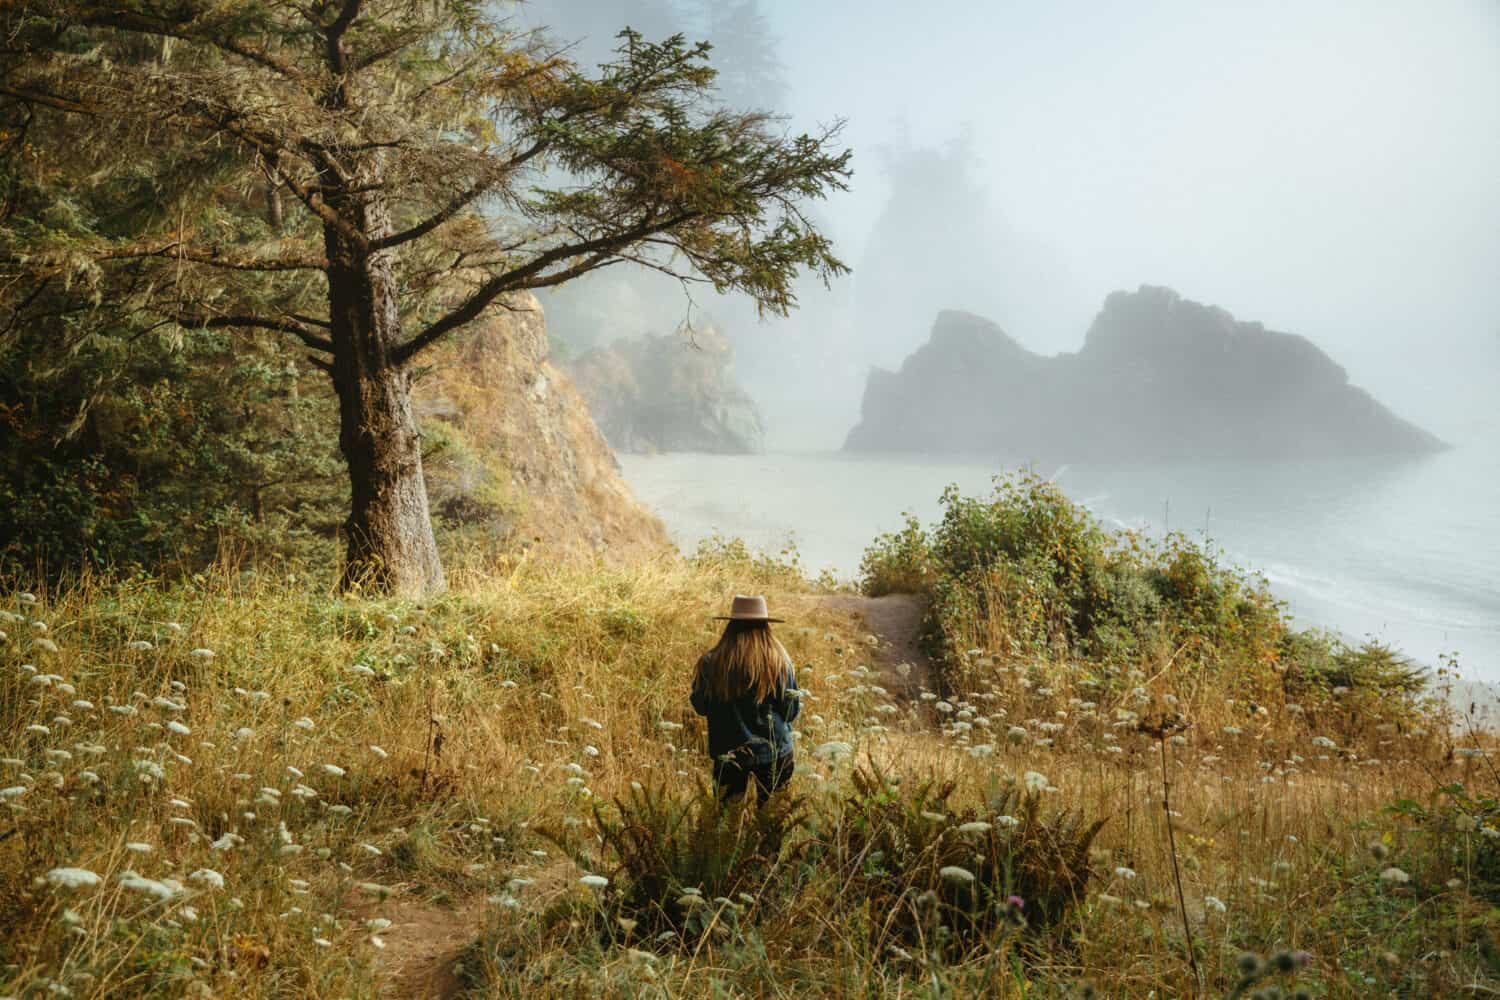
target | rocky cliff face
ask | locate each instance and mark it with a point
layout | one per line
(1158, 376)
(665, 393)
(512, 446)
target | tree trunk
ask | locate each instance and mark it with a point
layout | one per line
(388, 534)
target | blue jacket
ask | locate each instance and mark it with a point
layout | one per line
(763, 728)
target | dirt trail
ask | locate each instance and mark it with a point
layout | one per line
(896, 620)
(421, 945)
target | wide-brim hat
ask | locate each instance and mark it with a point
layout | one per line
(747, 609)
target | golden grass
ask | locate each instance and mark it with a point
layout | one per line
(481, 699)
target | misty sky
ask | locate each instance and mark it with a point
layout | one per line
(1327, 168)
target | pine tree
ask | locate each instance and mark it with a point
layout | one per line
(363, 179)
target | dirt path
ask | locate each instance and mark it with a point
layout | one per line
(896, 620)
(421, 945)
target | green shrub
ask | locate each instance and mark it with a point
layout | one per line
(955, 876)
(1458, 837)
(897, 562)
(1026, 574)
(733, 558)
(685, 863)
(1319, 659)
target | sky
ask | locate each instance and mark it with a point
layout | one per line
(1326, 168)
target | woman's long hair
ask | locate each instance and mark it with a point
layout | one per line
(748, 662)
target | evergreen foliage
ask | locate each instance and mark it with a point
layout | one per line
(361, 180)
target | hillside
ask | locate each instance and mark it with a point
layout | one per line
(669, 393)
(1158, 376)
(514, 450)
(243, 785)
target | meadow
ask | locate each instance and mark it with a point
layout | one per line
(241, 782)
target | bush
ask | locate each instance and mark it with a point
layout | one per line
(731, 557)
(952, 876)
(686, 863)
(1459, 831)
(897, 562)
(1026, 574)
(1317, 659)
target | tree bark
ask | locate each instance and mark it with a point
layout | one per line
(388, 535)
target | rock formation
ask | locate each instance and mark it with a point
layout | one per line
(669, 393)
(1158, 376)
(512, 447)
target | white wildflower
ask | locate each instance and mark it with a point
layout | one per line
(1395, 875)
(1035, 781)
(207, 877)
(161, 889)
(956, 875)
(594, 881)
(72, 878)
(202, 654)
(833, 750)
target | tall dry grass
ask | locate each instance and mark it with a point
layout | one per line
(280, 766)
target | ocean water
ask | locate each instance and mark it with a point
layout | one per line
(1407, 552)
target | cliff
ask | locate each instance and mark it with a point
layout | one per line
(665, 393)
(1158, 376)
(512, 447)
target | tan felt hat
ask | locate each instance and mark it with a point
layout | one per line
(748, 609)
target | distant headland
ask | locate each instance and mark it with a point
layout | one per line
(1158, 377)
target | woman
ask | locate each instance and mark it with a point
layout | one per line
(747, 690)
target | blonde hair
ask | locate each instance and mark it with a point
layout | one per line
(747, 662)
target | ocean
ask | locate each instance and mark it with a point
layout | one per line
(1403, 551)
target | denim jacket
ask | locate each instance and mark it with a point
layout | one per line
(763, 729)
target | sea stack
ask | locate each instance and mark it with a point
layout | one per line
(1158, 377)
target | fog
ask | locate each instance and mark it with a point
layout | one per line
(1325, 168)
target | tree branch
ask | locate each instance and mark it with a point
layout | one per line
(303, 334)
(113, 17)
(176, 251)
(467, 197)
(597, 250)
